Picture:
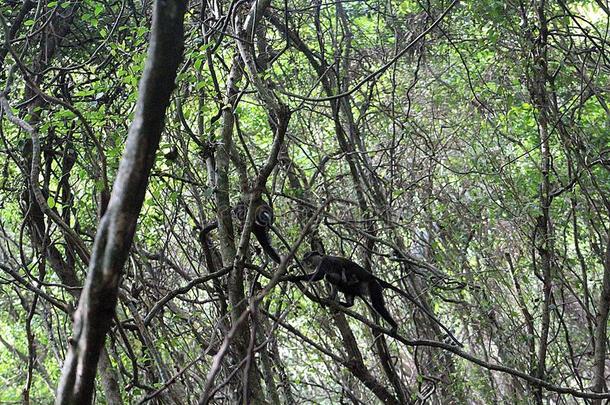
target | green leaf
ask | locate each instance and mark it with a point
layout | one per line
(408, 7)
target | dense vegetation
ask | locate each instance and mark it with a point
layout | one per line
(459, 150)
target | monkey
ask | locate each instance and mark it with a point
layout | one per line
(263, 219)
(349, 278)
(353, 280)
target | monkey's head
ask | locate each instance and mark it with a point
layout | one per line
(264, 215)
(240, 210)
(312, 259)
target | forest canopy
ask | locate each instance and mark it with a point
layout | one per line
(304, 202)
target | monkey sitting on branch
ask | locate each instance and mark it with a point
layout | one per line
(353, 280)
(263, 219)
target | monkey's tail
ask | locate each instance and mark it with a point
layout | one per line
(420, 306)
(263, 240)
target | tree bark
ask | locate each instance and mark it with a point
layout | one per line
(601, 328)
(115, 233)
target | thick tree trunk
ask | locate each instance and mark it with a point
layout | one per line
(115, 233)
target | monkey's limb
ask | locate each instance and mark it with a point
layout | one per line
(305, 277)
(333, 292)
(203, 233)
(349, 301)
(209, 228)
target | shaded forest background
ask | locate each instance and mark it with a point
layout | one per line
(458, 150)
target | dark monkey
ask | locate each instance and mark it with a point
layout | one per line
(353, 280)
(263, 219)
(350, 279)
